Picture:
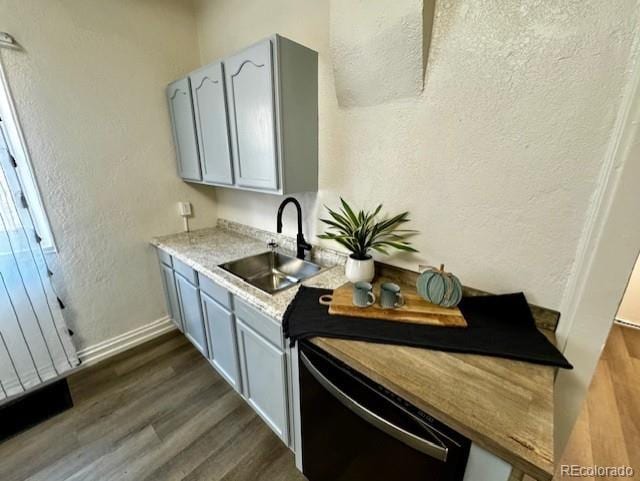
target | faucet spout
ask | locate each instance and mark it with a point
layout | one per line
(302, 244)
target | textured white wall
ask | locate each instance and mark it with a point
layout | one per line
(630, 307)
(89, 91)
(376, 43)
(498, 158)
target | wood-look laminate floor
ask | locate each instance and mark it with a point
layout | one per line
(607, 432)
(158, 412)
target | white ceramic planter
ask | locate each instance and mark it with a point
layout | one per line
(359, 270)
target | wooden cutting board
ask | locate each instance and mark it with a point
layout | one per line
(415, 310)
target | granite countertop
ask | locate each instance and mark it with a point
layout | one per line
(205, 249)
(504, 406)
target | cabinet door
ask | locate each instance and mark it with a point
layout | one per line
(192, 322)
(250, 88)
(210, 108)
(184, 130)
(222, 340)
(171, 295)
(264, 379)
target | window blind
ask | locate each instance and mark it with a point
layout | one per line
(35, 343)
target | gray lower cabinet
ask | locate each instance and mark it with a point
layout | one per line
(264, 378)
(210, 109)
(243, 344)
(171, 295)
(223, 353)
(192, 320)
(184, 129)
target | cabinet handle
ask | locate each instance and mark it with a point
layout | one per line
(410, 439)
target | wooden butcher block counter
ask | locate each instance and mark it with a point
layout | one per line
(503, 406)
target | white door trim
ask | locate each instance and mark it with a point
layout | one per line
(604, 262)
(17, 145)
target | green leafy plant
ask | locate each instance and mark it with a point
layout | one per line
(362, 231)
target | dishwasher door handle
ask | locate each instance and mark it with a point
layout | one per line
(410, 439)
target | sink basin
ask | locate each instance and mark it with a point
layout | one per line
(271, 271)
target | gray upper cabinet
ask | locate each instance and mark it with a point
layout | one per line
(265, 136)
(210, 108)
(184, 131)
(253, 116)
(296, 92)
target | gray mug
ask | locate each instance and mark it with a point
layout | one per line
(363, 295)
(390, 297)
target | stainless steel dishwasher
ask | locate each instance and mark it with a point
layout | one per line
(353, 429)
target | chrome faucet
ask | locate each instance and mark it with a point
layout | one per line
(301, 243)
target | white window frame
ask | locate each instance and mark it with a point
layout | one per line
(17, 146)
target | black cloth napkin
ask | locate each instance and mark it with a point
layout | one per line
(500, 326)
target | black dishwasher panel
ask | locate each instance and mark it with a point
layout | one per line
(353, 429)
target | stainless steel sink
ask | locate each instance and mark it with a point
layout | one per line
(271, 271)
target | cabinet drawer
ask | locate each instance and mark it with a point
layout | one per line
(165, 258)
(185, 271)
(259, 322)
(219, 293)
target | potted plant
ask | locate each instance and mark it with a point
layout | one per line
(363, 231)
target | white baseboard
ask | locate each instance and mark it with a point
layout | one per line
(105, 349)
